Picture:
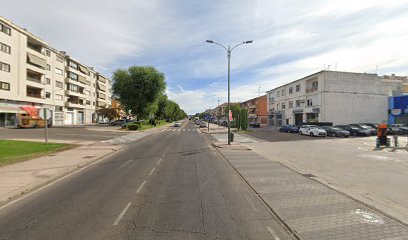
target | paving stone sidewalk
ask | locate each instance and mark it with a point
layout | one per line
(310, 209)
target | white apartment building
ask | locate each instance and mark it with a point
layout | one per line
(331, 96)
(33, 74)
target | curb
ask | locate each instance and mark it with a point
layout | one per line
(35, 186)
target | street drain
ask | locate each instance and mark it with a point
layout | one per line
(89, 156)
(309, 175)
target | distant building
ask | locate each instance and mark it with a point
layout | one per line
(34, 74)
(257, 109)
(219, 112)
(332, 96)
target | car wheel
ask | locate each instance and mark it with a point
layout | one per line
(311, 134)
(300, 132)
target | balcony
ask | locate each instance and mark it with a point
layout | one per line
(34, 92)
(74, 105)
(311, 90)
(75, 93)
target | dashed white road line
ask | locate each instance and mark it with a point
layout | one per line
(151, 172)
(272, 233)
(126, 163)
(158, 162)
(121, 214)
(141, 186)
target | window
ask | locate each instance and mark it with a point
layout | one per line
(283, 92)
(88, 102)
(48, 81)
(297, 103)
(73, 76)
(5, 86)
(88, 92)
(278, 94)
(59, 84)
(73, 64)
(5, 29)
(48, 67)
(290, 90)
(290, 104)
(48, 52)
(278, 106)
(58, 97)
(4, 67)
(315, 85)
(283, 105)
(60, 59)
(73, 87)
(309, 103)
(59, 71)
(48, 95)
(5, 48)
(297, 88)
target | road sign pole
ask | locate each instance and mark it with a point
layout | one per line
(46, 125)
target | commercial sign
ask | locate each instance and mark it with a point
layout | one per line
(297, 111)
(316, 110)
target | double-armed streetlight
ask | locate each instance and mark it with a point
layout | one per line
(229, 50)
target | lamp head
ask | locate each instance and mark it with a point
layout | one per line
(210, 41)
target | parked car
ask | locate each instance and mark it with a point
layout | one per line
(373, 131)
(254, 124)
(203, 124)
(373, 125)
(355, 131)
(118, 122)
(177, 124)
(312, 131)
(290, 128)
(336, 131)
(397, 129)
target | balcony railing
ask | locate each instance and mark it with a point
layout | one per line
(35, 80)
(34, 95)
(310, 90)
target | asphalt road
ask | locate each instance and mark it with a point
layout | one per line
(170, 185)
(69, 134)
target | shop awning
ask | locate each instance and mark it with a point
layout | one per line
(32, 111)
(83, 69)
(11, 109)
(36, 60)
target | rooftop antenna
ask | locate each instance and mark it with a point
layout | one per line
(259, 90)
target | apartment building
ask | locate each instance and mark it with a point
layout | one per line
(33, 74)
(219, 111)
(257, 109)
(331, 96)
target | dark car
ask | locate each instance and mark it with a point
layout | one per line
(117, 122)
(355, 131)
(373, 125)
(254, 124)
(373, 131)
(397, 129)
(336, 131)
(290, 128)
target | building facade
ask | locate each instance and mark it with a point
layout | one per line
(331, 96)
(219, 111)
(257, 109)
(34, 74)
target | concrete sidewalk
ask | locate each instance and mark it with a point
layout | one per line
(21, 178)
(311, 210)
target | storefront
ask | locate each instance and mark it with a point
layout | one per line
(276, 118)
(8, 115)
(398, 110)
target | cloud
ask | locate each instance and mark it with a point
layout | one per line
(291, 39)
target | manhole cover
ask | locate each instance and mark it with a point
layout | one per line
(368, 217)
(308, 175)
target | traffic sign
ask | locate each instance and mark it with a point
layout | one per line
(230, 115)
(45, 113)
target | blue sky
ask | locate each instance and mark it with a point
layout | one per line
(292, 39)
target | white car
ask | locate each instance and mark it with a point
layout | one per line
(177, 124)
(312, 131)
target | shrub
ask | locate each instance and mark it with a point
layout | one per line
(134, 126)
(244, 119)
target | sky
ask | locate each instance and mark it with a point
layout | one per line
(291, 39)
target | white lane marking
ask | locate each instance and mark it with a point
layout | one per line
(151, 172)
(189, 130)
(252, 204)
(272, 233)
(215, 153)
(52, 183)
(210, 147)
(174, 130)
(158, 162)
(126, 163)
(121, 214)
(141, 186)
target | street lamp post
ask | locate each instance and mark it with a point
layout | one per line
(229, 50)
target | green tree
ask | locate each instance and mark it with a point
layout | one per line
(244, 119)
(161, 106)
(138, 89)
(236, 110)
